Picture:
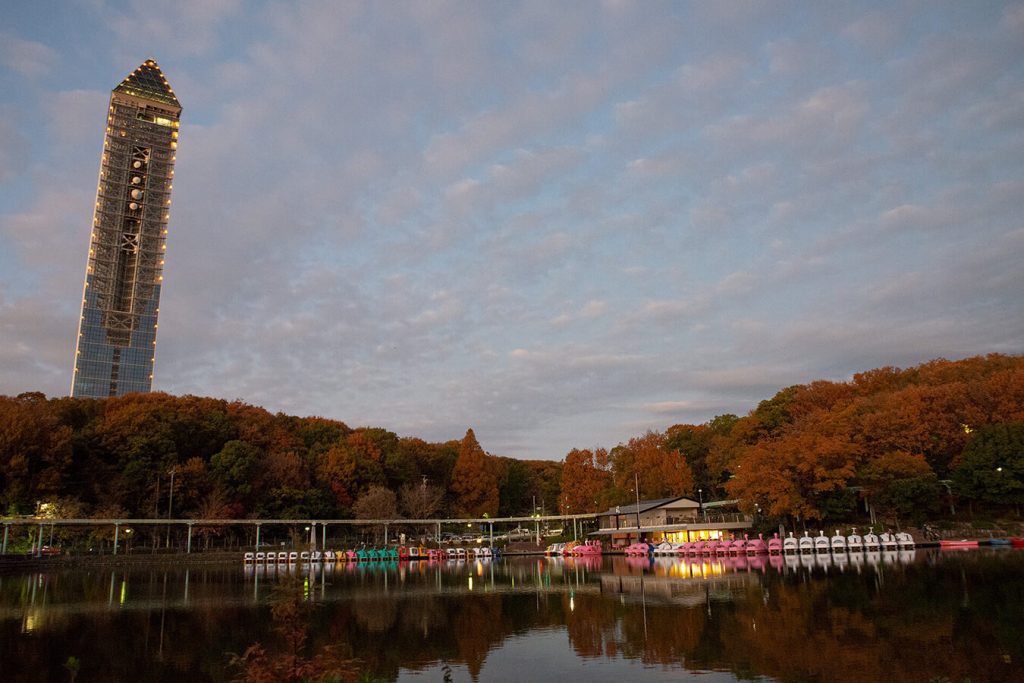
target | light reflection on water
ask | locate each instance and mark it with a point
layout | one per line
(807, 617)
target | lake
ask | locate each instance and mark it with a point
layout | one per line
(924, 615)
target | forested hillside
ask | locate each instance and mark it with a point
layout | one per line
(904, 440)
(114, 457)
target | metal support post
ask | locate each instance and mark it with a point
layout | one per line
(170, 509)
(385, 534)
(39, 545)
(257, 537)
(312, 536)
(491, 526)
(117, 534)
(3, 550)
(188, 546)
(323, 536)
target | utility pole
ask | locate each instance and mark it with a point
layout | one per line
(170, 509)
(636, 483)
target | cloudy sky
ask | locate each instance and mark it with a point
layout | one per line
(560, 224)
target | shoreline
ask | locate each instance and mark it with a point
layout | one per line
(21, 561)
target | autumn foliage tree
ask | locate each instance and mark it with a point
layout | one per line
(585, 484)
(662, 471)
(35, 451)
(794, 474)
(474, 480)
(887, 435)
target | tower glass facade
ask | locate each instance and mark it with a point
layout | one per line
(116, 347)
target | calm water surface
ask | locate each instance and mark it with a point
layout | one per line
(924, 616)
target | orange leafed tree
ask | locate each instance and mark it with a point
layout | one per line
(336, 468)
(662, 471)
(584, 484)
(474, 480)
(792, 474)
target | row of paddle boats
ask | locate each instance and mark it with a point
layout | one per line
(575, 549)
(1016, 542)
(821, 543)
(390, 554)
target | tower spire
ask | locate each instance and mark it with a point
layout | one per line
(148, 82)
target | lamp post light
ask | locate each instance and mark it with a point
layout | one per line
(700, 494)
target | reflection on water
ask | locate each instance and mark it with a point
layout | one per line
(878, 616)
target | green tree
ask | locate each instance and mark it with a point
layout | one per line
(900, 485)
(694, 443)
(515, 488)
(991, 468)
(233, 469)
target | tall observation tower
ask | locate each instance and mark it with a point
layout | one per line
(116, 345)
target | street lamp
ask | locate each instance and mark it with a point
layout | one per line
(700, 494)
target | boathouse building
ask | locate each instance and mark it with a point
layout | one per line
(676, 520)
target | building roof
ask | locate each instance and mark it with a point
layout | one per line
(722, 503)
(148, 82)
(645, 505)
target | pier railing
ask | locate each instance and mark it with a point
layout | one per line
(317, 529)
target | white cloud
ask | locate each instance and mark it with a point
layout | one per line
(711, 74)
(550, 222)
(594, 308)
(875, 30)
(188, 24)
(14, 150)
(1013, 17)
(534, 114)
(26, 57)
